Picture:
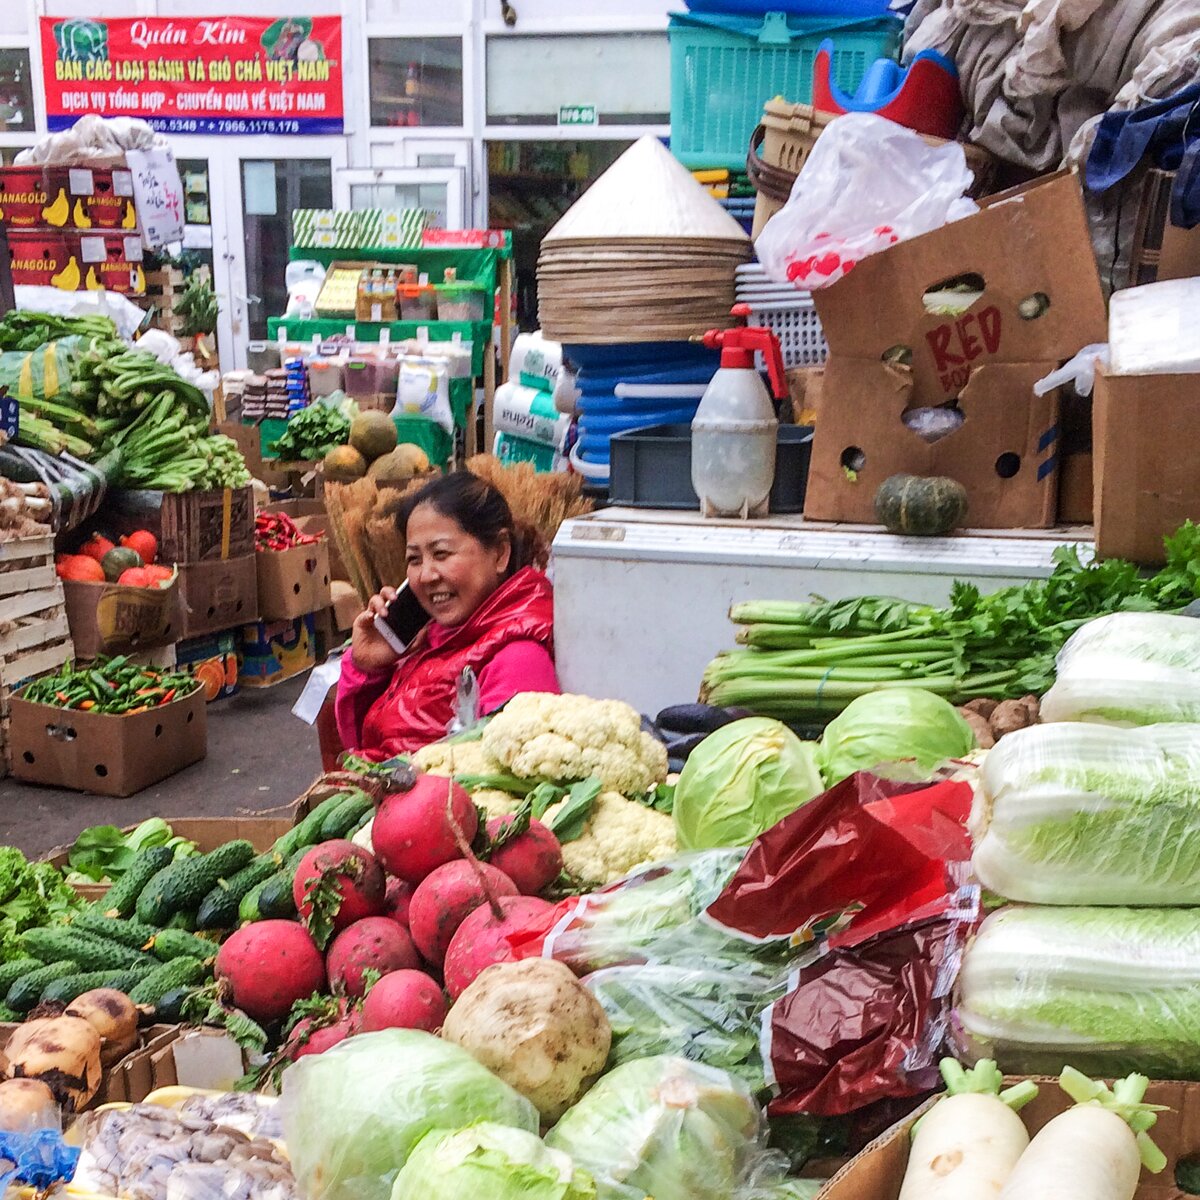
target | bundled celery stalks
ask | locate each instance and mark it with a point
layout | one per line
(804, 662)
(1110, 989)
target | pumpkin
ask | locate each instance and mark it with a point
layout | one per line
(144, 543)
(136, 577)
(97, 546)
(119, 560)
(78, 567)
(920, 506)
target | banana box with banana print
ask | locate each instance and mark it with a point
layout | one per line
(74, 260)
(66, 197)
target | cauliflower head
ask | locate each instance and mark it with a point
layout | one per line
(458, 758)
(568, 738)
(496, 804)
(620, 836)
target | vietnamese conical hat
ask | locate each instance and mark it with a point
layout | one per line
(647, 193)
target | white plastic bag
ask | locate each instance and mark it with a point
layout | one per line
(868, 184)
(1080, 371)
(424, 388)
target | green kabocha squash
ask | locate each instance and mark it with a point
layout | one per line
(118, 561)
(920, 506)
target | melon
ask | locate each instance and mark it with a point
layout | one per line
(119, 560)
(344, 464)
(400, 467)
(920, 506)
(373, 434)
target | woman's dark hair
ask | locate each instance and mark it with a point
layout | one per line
(483, 512)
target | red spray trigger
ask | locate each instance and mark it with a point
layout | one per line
(738, 347)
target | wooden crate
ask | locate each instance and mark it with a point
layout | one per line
(191, 527)
(163, 289)
(34, 636)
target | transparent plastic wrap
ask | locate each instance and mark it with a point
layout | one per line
(667, 1128)
(867, 185)
(705, 1016)
(1128, 669)
(1109, 990)
(353, 1114)
(1083, 814)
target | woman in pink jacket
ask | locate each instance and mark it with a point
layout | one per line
(479, 577)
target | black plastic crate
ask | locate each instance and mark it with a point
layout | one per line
(652, 468)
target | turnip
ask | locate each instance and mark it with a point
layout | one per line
(446, 897)
(532, 859)
(533, 1024)
(268, 966)
(397, 900)
(419, 830)
(404, 1000)
(336, 884)
(966, 1145)
(1094, 1151)
(480, 940)
(372, 944)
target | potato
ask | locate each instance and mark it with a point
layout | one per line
(979, 727)
(1009, 717)
(26, 1105)
(113, 1016)
(63, 1052)
(537, 1027)
(982, 706)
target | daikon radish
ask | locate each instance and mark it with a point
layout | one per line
(1094, 1151)
(966, 1145)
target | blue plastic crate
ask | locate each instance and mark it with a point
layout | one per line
(725, 67)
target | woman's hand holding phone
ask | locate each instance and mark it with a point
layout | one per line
(368, 646)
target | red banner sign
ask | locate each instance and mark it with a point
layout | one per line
(225, 75)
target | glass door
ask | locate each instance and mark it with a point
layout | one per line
(439, 190)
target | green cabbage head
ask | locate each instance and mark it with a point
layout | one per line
(489, 1162)
(663, 1127)
(900, 733)
(352, 1115)
(740, 781)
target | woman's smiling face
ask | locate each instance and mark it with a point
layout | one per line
(450, 572)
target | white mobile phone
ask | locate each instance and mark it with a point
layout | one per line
(403, 620)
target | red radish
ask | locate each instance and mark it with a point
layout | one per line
(415, 831)
(479, 940)
(404, 1000)
(323, 1039)
(532, 860)
(336, 884)
(396, 901)
(372, 944)
(269, 966)
(446, 897)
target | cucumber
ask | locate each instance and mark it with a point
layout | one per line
(176, 943)
(27, 991)
(248, 909)
(308, 832)
(133, 934)
(182, 920)
(181, 972)
(219, 909)
(58, 943)
(121, 899)
(70, 987)
(10, 972)
(275, 901)
(169, 1009)
(150, 909)
(9, 1015)
(342, 820)
(184, 884)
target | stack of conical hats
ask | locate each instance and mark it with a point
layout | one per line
(644, 255)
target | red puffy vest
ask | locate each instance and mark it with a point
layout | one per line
(418, 706)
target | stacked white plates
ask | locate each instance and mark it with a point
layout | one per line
(756, 288)
(645, 255)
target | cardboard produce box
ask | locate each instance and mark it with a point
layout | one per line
(214, 596)
(107, 754)
(311, 516)
(876, 1173)
(1146, 483)
(106, 618)
(213, 661)
(902, 335)
(273, 651)
(191, 527)
(292, 583)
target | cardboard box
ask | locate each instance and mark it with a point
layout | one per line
(1004, 453)
(311, 516)
(1027, 244)
(198, 1058)
(1146, 482)
(273, 651)
(102, 753)
(213, 661)
(191, 527)
(214, 596)
(346, 604)
(877, 1172)
(293, 582)
(1075, 490)
(106, 618)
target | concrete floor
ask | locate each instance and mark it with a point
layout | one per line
(259, 757)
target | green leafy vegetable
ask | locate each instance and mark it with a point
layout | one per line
(317, 429)
(31, 895)
(570, 820)
(104, 852)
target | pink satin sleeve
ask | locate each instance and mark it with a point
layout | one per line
(524, 666)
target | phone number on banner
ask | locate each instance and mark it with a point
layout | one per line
(243, 125)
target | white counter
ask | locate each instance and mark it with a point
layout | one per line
(641, 596)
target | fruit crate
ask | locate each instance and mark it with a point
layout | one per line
(725, 67)
(34, 636)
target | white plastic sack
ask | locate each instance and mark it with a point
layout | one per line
(868, 184)
(1080, 371)
(123, 312)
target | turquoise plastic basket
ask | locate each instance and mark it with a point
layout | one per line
(725, 67)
